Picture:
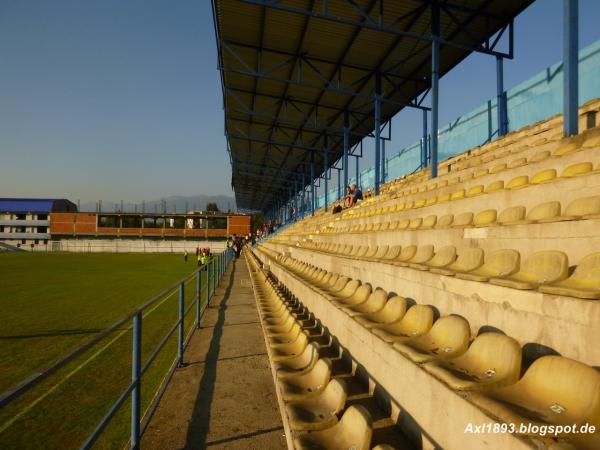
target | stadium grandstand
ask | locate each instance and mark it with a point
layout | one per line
(454, 305)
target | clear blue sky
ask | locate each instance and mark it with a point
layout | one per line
(121, 99)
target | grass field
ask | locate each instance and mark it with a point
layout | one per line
(51, 304)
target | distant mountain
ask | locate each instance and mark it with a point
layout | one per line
(170, 204)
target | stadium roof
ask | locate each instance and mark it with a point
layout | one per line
(292, 70)
(35, 205)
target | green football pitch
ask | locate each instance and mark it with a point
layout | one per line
(50, 304)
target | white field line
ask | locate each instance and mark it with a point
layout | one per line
(22, 412)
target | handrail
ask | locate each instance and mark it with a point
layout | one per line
(214, 270)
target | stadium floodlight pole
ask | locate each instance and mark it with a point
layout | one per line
(136, 374)
(424, 145)
(346, 146)
(435, 73)
(377, 131)
(570, 66)
(500, 105)
(325, 170)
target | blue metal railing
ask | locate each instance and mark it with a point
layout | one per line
(214, 271)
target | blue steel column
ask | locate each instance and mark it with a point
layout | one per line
(377, 132)
(500, 105)
(207, 285)
(199, 298)
(424, 147)
(303, 198)
(383, 161)
(296, 199)
(325, 170)
(181, 331)
(435, 69)
(357, 173)
(346, 147)
(136, 373)
(571, 67)
(312, 187)
(339, 185)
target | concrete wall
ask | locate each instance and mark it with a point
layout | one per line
(131, 246)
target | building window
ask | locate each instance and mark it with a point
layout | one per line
(42, 216)
(23, 241)
(37, 241)
(21, 216)
(42, 229)
(45, 241)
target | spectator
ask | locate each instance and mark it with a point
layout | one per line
(355, 196)
(185, 255)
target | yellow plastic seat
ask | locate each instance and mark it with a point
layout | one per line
(415, 322)
(403, 224)
(299, 364)
(583, 208)
(575, 170)
(499, 263)
(492, 360)
(539, 156)
(384, 226)
(513, 214)
(457, 195)
(544, 267)
(281, 352)
(371, 252)
(394, 225)
(498, 168)
(442, 258)
(429, 222)
(319, 411)
(415, 223)
(381, 252)
(544, 212)
(430, 201)
(353, 431)
(443, 198)
(444, 221)
(469, 259)
(374, 303)
(554, 390)
(360, 294)
(545, 176)
(591, 142)
(448, 337)
(405, 255)
(485, 218)
(518, 182)
(392, 253)
(393, 310)
(494, 186)
(423, 254)
(419, 203)
(480, 173)
(307, 384)
(517, 163)
(474, 191)
(565, 149)
(583, 283)
(463, 220)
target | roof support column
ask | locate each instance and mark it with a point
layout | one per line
(357, 173)
(339, 185)
(435, 73)
(570, 67)
(295, 199)
(424, 144)
(346, 146)
(326, 170)
(303, 198)
(500, 97)
(383, 162)
(377, 132)
(312, 185)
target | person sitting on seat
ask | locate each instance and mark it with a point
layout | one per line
(354, 196)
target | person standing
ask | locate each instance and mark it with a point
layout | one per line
(185, 255)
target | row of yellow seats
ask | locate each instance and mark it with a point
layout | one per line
(546, 271)
(553, 390)
(519, 182)
(581, 208)
(313, 398)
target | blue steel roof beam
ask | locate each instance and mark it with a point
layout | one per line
(306, 148)
(427, 59)
(291, 72)
(307, 58)
(370, 25)
(342, 58)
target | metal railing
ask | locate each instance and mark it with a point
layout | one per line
(207, 277)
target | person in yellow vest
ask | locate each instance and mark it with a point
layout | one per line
(203, 258)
